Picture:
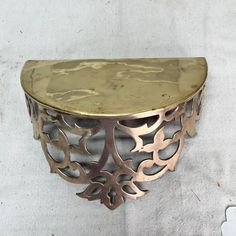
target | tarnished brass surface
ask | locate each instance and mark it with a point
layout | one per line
(113, 88)
(157, 134)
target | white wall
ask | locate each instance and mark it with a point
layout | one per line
(34, 202)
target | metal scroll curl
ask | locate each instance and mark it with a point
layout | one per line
(111, 187)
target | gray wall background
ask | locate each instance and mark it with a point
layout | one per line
(34, 202)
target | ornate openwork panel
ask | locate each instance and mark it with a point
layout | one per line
(112, 176)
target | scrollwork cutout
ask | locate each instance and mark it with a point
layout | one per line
(112, 187)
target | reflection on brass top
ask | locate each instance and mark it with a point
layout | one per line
(113, 88)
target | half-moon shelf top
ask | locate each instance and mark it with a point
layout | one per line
(114, 87)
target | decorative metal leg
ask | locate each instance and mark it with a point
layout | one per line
(111, 187)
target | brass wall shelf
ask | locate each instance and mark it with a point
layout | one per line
(74, 102)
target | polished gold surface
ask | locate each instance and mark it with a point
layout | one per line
(113, 88)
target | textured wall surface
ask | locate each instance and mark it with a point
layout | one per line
(189, 201)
